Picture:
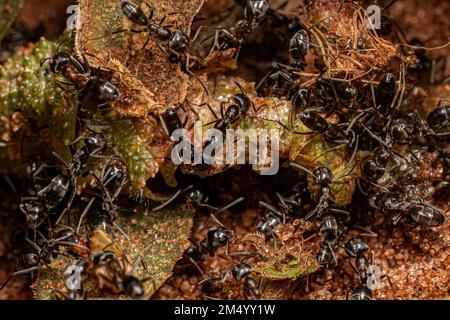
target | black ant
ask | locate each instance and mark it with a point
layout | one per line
(278, 81)
(196, 198)
(79, 74)
(298, 48)
(323, 178)
(111, 181)
(239, 108)
(254, 13)
(268, 223)
(356, 248)
(287, 206)
(420, 212)
(402, 130)
(375, 167)
(113, 177)
(114, 275)
(56, 191)
(216, 237)
(34, 211)
(176, 42)
(171, 121)
(240, 273)
(43, 254)
(424, 215)
(331, 231)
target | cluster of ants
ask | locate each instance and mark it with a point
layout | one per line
(370, 121)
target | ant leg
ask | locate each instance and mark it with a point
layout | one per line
(355, 149)
(222, 113)
(157, 43)
(150, 15)
(270, 208)
(81, 67)
(348, 174)
(231, 204)
(197, 32)
(164, 125)
(343, 212)
(172, 198)
(60, 159)
(26, 271)
(69, 203)
(195, 76)
(38, 171)
(385, 276)
(283, 125)
(397, 218)
(101, 62)
(327, 151)
(310, 214)
(41, 63)
(127, 30)
(197, 266)
(440, 102)
(67, 83)
(373, 135)
(72, 244)
(121, 31)
(85, 211)
(217, 221)
(210, 109)
(333, 254)
(299, 167)
(168, 15)
(18, 273)
(121, 231)
(368, 232)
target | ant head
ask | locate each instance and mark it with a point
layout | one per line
(347, 91)
(179, 42)
(59, 61)
(95, 143)
(196, 196)
(388, 80)
(174, 58)
(323, 175)
(218, 237)
(355, 246)
(371, 171)
(381, 156)
(401, 130)
(241, 270)
(170, 111)
(133, 287)
(31, 259)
